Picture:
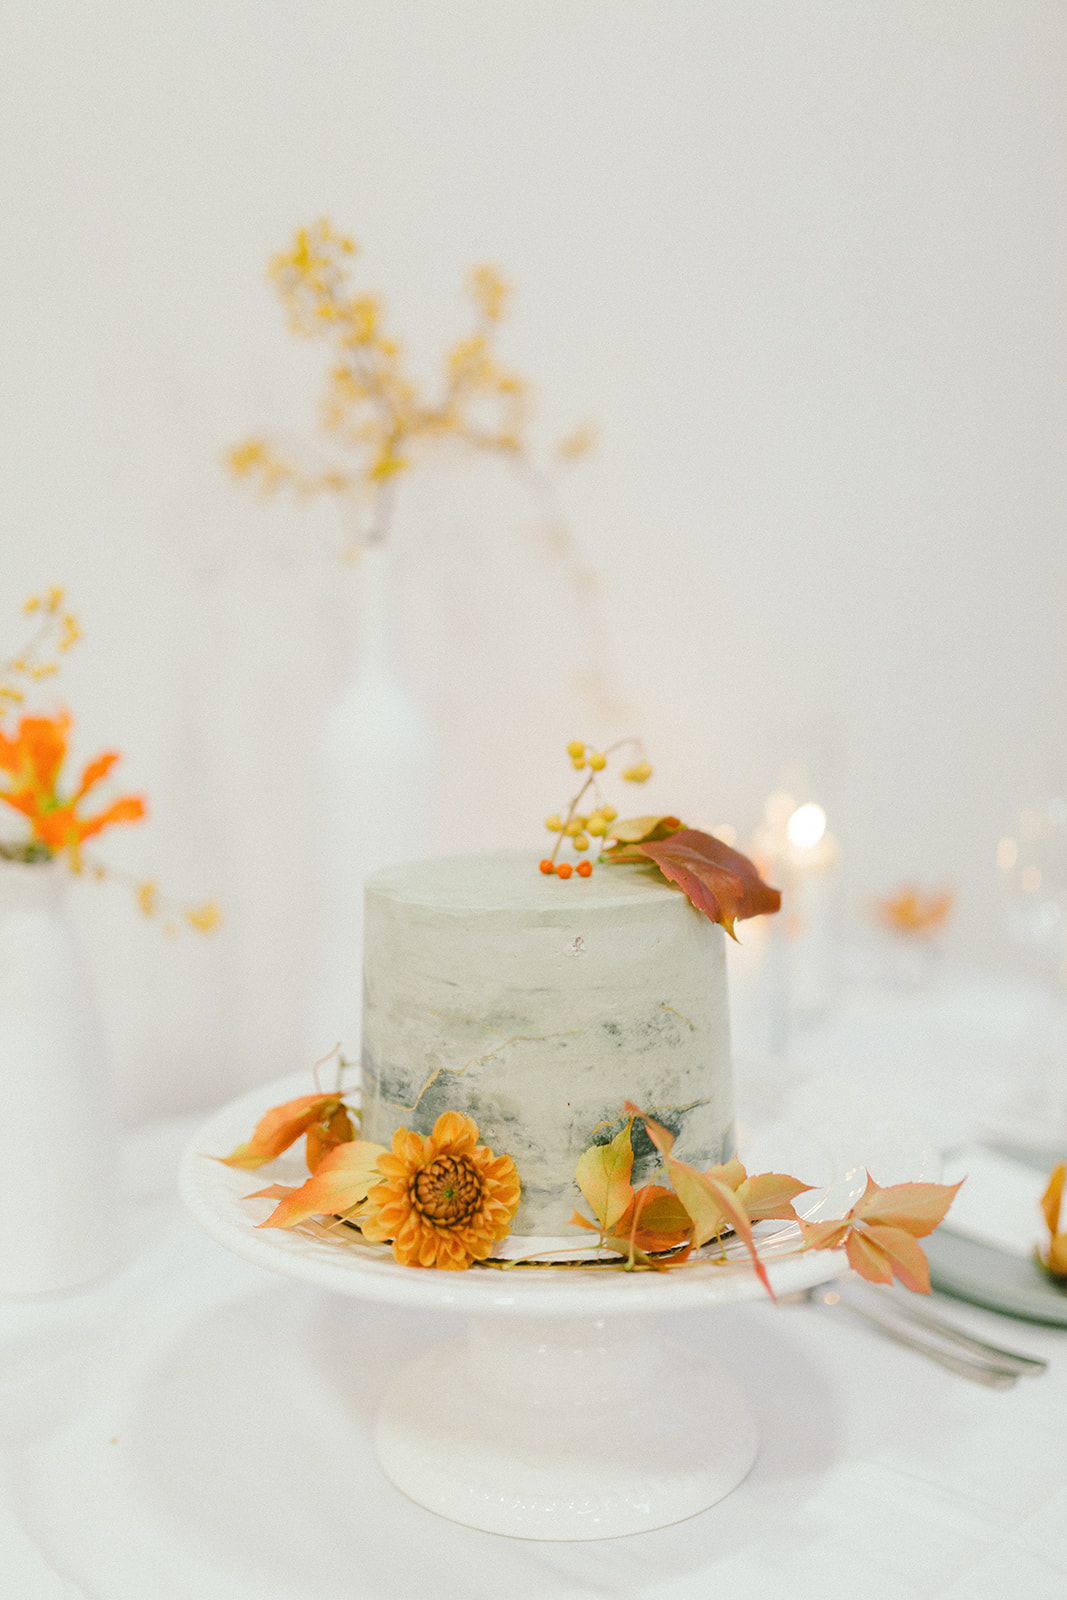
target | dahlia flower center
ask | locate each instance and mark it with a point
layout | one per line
(448, 1191)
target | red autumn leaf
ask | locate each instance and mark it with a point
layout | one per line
(721, 882)
(277, 1130)
(342, 1181)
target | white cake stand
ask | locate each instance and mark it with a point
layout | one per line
(566, 1413)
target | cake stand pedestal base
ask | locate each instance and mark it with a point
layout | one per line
(565, 1428)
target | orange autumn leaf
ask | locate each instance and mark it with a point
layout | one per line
(769, 1196)
(880, 1232)
(915, 1207)
(603, 1175)
(661, 1137)
(279, 1128)
(719, 881)
(333, 1128)
(881, 1254)
(342, 1180)
(711, 1203)
(655, 1219)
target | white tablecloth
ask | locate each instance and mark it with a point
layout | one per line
(197, 1429)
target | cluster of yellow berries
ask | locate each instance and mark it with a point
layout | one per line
(582, 826)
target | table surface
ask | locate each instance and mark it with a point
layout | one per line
(194, 1427)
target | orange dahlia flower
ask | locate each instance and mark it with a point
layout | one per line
(446, 1199)
(31, 763)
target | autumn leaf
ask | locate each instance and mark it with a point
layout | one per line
(638, 830)
(342, 1181)
(721, 882)
(880, 1232)
(281, 1126)
(661, 1137)
(769, 1196)
(331, 1130)
(915, 1207)
(655, 1219)
(603, 1175)
(881, 1254)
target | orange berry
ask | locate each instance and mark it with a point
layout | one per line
(585, 869)
(547, 866)
(564, 869)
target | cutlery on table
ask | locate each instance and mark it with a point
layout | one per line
(928, 1333)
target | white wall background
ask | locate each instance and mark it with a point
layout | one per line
(805, 264)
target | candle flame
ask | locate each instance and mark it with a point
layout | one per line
(806, 826)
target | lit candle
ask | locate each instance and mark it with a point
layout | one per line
(809, 861)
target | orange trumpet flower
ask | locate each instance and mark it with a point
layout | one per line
(32, 762)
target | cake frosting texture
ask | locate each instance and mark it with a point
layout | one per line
(537, 1007)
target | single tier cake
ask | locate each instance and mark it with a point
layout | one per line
(537, 1007)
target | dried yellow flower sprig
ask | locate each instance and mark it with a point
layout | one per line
(53, 632)
(373, 407)
(579, 827)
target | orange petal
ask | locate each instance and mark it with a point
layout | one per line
(95, 771)
(453, 1132)
(131, 808)
(1052, 1197)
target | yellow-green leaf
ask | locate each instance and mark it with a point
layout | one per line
(603, 1175)
(635, 830)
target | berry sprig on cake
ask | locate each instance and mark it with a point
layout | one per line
(717, 879)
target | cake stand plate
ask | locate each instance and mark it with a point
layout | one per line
(566, 1413)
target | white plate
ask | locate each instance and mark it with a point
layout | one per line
(829, 1134)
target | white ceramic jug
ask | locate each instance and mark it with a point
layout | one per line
(61, 1212)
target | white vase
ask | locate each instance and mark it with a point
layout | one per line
(373, 783)
(61, 1212)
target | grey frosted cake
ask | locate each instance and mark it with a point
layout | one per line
(537, 1007)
